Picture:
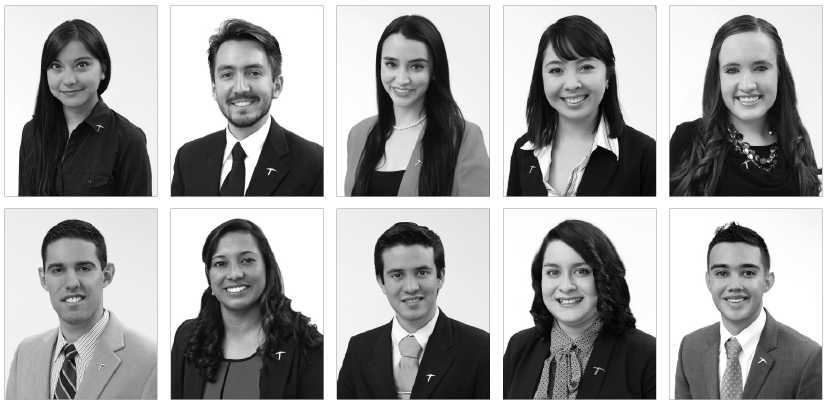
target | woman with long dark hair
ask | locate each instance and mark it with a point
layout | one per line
(247, 342)
(75, 145)
(577, 142)
(750, 140)
(583, 323)
(420, 144)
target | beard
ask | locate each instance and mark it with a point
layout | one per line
(249, 118)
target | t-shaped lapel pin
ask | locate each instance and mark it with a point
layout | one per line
(531, 170)
(101, 366)
(417, 163)
(762, 361)
(99, 127)
(429, 376)
(597, 370)
(270, 170)
(279, 354)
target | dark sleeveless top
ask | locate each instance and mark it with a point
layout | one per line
(385, 183)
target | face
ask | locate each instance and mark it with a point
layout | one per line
(74, 77)
(405, 71)
(244, 86)
(568, 286)
(411, 284)
(737, 280)
(237, 273)
(75, 281)
(748, 75)
(574, 88)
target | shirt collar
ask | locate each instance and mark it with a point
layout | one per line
(748, 338)
(601, 139)
(252, 144)
(100, 114)
(85, 345)
(422, 335)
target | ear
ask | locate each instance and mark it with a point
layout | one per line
(277, 86)
(108, 274)
(42, 273)
(768, 282)
(381, 284)
(708, 281)
(214, 93)
(441, 282)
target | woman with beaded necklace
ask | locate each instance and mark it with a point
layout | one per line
(419, 144)
(750, 140)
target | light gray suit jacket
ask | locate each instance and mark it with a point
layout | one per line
(786, 365)
(130, 371)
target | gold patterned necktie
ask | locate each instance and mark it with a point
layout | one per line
(405, 375)
(732, 387)
(66, 387)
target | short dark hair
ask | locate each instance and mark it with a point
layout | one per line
(734, 233)
(409, 234)
(75, 229)
(609, 276)
(235, 29)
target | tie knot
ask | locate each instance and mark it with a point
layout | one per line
(238, 152)
(409, 347)
(69, 351)
(733, 348)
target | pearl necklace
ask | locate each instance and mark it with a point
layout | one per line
(417, 123)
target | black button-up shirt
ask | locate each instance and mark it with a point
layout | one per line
(105, 156)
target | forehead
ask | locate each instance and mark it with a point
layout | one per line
(408, 257)
(236, 243)
(560, 253)
(241, 53)
(68, 250)
(747, 47)
(735, 255)
(399, 47)
(74, 50)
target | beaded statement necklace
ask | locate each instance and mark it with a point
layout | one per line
(744, 148)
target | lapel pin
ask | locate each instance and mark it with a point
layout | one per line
(762, 361)
(531, 170)
(99, 127)
(746, 163)
(597, 370)
(101, 366)
(429, 376)
(279, 354)
(270, 170)
(417, 163)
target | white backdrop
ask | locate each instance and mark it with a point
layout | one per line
(133, 88)
(526, 228)
(465, 31)
(800, 28)
(465, 295)
(635, 51)
(296, 238)
(795, 241)
(299, 31)
(131, 245)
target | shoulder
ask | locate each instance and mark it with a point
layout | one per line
(520, 142)
(36, 340)
(28, 128)
(134, 340)
(368, 339)
(638, 340)
(701, 335)
(686, 131)
(525, 337)
(201, 143)
(468, 333)
(638, 139)
(184, 331)
(789, 338)
(126, 130)
(309, 149)
(359, 132)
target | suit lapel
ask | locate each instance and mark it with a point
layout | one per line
(598, 173)
(270, 169)
(104, 361)
(436, 360)
(194, 383)
(274, 374)
(711, 363)
(41, 366)
(410, 180)
(381, 366)
(762, 362)
(594, 373)
(535, 362)
(213, 160)
(530, 175)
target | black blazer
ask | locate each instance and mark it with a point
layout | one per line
(298, 164)
(620, 367)
(457, 356)
(290, 377)
(634, 174)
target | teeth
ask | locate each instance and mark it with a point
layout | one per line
(574, 100)
(73, 299)
(570, 301)
(242, 103)
(236, 289)
(753, 98)
(402, 90)
(736, 300)
(416, 300)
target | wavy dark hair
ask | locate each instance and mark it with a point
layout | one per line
(573, 37)
(702, 164)
(279, 320)
(609, 276)
(50, 133)
(445, 126)
(734, 233)
(236, 29)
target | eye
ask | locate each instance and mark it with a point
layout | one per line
(749, 273)
(582, 271)
(731, 70)
(86, 268)
(761, 68)
(418, 67)
(555, 70)
(587, 67)
(248, 260)
(256, 73)
(225, 75)
(83, 64)
(422, 272)
(55, 270)
(720, 273)
(55, 66)
(219, 264)
(395, 275)
(390, 64)
(552, 272)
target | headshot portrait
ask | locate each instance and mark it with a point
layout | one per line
(102, 343)
(433, 340)
(588, 127)
(259, 100)
(247, 304)
(69, 142)
(572, 329)
(410, 129)
(760, 334)
(739, 125)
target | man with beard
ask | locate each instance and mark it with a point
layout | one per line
(253, 156)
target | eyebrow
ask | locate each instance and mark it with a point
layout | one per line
(757, 62)
(560, 62)
(252, 66)
(411, 61)
(725, 266)
(240, 253)
(77, 60)
(552, 265)
(79, 263)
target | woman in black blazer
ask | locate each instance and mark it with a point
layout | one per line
(247, 342)
(585, 344)
(577, 142)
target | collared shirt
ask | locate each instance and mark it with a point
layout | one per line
(85, 346)
(748, 339)
(543, 155)
(398, 333)
(252, 145)
(105, 156)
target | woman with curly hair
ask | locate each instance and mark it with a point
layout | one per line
(247, 342)
(585, 344)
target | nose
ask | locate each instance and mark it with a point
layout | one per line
(69, 77)
(746, 83)
(403, 77)
(241, 86)
(572, 82)
(235, 272)
(567, 284)
(71, 280)
(411, 285)
(735, 284)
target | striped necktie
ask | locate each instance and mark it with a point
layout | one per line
(67, 383)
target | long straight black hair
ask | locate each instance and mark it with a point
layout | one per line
(572, 38)
(445, 126)
(702, 164)
(50, 133)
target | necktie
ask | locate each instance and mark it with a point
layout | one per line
(732, 387)
(405, 375)
(67, 382)
(234, 183)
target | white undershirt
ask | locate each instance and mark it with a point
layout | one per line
(748, 339)
(252, 145)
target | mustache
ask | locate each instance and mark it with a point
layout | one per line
(248, 97)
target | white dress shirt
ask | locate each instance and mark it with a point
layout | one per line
(748, 339)
(85, 346)
(252, 145)
(601, 139)
(398, 333)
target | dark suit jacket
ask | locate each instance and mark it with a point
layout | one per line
(633, 175)
(290, 377)
(620, 367)
(786, 365)
(457, 355)
(299, 165)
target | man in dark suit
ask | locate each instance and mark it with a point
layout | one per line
(421, 353)
(253, 156)
(748, 354)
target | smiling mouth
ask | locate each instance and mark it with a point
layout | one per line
(750, 100)
(236, 289)
(568, 302)
(242, 103)
(412, 300)
(574, 100)
(402, 91)
(735, 299)
(72, 92)
(73, 299)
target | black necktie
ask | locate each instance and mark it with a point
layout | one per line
(67, 382)
(234, 183)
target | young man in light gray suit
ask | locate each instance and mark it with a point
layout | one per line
(91, 355)
(748, 355)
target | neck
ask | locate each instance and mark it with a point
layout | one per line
(414, 326)
(73, 332)
(576, 330)
(567, 128)
(407, 116)
(755, 131)
(243, 133)
(76, 115)
(736, 327)
(241, 322)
